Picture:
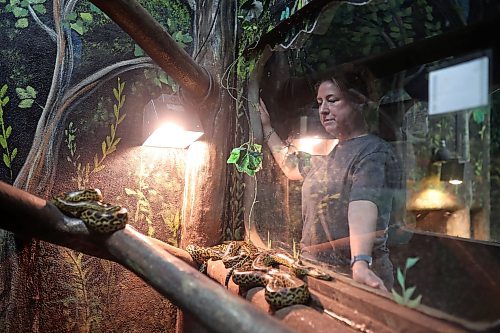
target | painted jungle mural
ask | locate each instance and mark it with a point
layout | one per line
(72, 85)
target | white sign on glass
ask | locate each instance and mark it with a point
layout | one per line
(459, 87)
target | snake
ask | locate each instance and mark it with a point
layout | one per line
(87, 205)
(251, 267)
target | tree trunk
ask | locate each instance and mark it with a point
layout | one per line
(205, 183)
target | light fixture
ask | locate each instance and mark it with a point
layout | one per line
(442, 154)
(167, 123)
(310, 136)
(451, 170)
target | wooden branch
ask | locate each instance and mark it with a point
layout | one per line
(217, 309)
(158, 44)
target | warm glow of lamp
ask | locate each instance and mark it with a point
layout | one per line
(310, 136)
(433, 195)
(166, 123)
(173, 136)
(314, 145)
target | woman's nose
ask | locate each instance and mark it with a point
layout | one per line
(323, 108)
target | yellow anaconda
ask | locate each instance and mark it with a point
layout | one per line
(87, 205)
(251, 267)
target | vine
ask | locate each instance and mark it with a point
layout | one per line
(7, 155)
(108, 146)
(406, 292)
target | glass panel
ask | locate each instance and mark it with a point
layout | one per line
(381, 56)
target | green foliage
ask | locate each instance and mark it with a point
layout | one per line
(247, 158)
(160, 79)
(176, 18)
(173, 223)
(20, 10)
(79, 22)
(143, 207)
(80, 278)
(182, 38)
(27, 97)
(8, 156)
(360, 31)
(108, 146)
(406, 292)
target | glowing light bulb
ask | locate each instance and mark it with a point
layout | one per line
(173, 136)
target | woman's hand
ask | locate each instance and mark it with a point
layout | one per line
(363, 274)
(264, 115)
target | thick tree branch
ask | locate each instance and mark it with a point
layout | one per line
(216, 308)
(49, 31)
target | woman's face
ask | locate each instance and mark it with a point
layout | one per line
(336, 112)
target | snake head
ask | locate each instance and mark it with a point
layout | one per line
(319, 274)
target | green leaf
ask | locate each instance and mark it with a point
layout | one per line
(414, 302)
(478, 115)
(8, 132)
(256, 147)
(31, 92)
(138, 52)
(22, 93)
(40, 9)
(235, 155)
(22, 23)
(13, 154)
(3, 90)
(3, 142)
(20, 12)
(103, 148)
(26, 103)
(401, 278)
(410, 262)
(242, 166)
(187, 38)
(397, 297)
(121, 119)
(77, 27)
(6, 160)
(115, 92)
(5, 100)
(408, 293)
(87, 17)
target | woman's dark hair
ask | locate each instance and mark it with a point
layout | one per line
(353, 80)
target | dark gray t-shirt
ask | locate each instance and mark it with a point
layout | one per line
(363, 168)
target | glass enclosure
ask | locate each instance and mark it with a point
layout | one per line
(435, 99)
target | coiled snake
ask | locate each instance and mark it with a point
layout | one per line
(251, 267)
(87, 205)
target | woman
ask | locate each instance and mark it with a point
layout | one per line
(347, 196)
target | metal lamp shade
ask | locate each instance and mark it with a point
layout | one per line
(167, 123)
(452, 171)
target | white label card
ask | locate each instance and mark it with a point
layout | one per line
(459, 87)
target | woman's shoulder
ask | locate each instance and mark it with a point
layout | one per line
(373, 143)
